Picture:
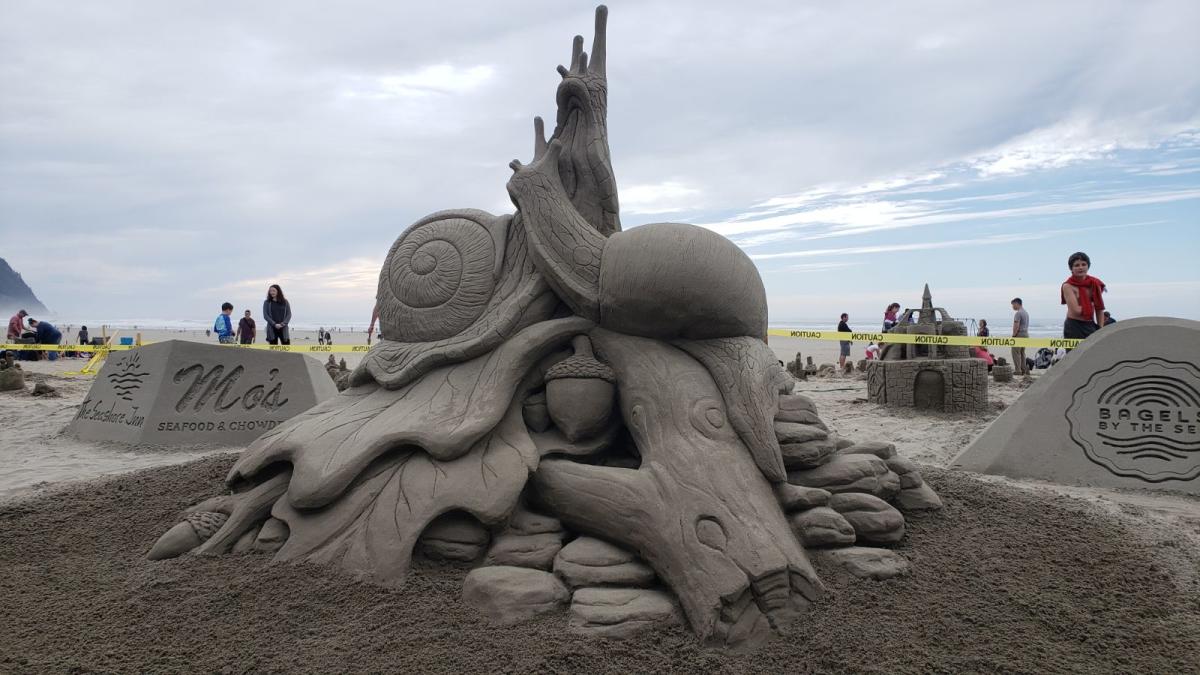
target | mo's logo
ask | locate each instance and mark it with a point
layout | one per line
(1141, 419)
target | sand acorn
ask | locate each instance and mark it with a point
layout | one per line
(196, 529)
(579, 392)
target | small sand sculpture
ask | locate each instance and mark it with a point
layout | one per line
(545, 377)
(12, 378)
(930, 375)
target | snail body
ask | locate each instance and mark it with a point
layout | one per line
(661, 280)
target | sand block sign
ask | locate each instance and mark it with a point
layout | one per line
(1123, 410)
(178, 392)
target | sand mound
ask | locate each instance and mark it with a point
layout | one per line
(1003, 580)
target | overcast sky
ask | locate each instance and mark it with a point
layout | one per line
(158, 158)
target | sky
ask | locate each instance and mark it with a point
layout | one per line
(157, 159)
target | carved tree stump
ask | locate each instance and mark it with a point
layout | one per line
(698, 510)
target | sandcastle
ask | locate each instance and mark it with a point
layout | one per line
(930, 375)
(591, 418)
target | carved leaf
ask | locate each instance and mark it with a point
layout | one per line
(444, 413)
(371, 530)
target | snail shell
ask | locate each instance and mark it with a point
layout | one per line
(440, 274)
(662, 280)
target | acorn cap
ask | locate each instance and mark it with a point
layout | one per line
(581, 367)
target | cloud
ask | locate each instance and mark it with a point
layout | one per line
(301, 136)
(991, 240)
(665, 197)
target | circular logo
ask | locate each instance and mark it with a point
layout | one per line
(1140, 419)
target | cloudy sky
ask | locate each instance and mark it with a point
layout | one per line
(159, 158)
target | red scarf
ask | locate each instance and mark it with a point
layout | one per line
(1088, 302)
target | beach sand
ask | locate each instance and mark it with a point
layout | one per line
(1013, 576)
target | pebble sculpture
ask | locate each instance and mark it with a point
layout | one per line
(591, 415)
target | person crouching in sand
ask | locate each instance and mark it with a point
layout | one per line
(1082, 294)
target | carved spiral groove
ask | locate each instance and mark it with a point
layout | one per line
(437, 279)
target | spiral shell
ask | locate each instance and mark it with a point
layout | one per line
(439, 275)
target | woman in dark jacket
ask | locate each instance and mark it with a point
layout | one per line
(277, 313)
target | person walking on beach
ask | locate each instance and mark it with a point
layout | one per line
(223, 325)
(277, 313)
(328, 338)
(843, 327)
(321, 335)
(1083, 296)
(1020, 329)
(16, 326)
(246, 330)
(983, 329)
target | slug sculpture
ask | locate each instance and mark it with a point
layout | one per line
(546, 375)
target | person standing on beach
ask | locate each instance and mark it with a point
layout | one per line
(83, 335)
(983, 329)
(889, 316)
(321, 335)
(843, 327)
(246, 330)
(1083, 296)
(277, 312)
(1020, 329)
(223, 325)
(328, 338)
(16, 326)
(374, 319)
(1108, 318)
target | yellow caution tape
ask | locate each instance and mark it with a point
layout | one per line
(829, 335)
(916, 339)
(117, 348)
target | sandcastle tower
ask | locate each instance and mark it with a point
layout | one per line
(928, 375)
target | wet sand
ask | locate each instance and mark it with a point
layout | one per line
(1003, 580)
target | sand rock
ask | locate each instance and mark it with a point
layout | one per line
(791, 432)
(919, 498)
(592, 562)
(910, 476)
(850, 473)
(800, 417)
(874, 520)
(511, 594)
(797, 402)
(12, 379)
(809, 454)
(797, 498)
(842, 443)
(826, 370)
(524, 521)
(535, 551)
(1002, 373)
(864, 562)
(40, 388)
(621, 613)
(454, 536)
(272, 536)
(822, 526)
(880, 449)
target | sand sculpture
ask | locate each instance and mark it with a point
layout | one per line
(1122, 410)
(546, 378)
(12, 378)
(183, 393)
(930, 376)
